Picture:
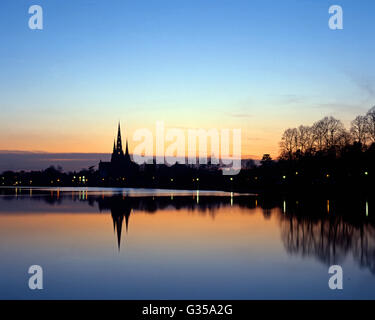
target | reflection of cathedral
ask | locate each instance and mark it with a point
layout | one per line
(118, 219)
(120, 209)
(121, 165)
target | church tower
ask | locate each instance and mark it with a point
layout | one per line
(121, 166)
(118, 153)
(118, 156)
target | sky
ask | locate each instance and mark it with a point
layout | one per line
(261, 66)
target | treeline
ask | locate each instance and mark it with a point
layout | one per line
(325, 157)
(328, 135)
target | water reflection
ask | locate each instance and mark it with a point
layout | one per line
(120, 210)
(328, 230)
(330, 236)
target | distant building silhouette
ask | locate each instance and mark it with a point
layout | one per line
(121, 165)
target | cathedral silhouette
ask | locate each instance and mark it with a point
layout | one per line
(121, 166)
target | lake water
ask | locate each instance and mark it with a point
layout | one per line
(165, 244)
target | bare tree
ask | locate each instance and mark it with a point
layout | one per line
(371, 124)
(335, 129)
(289, 142)
(327, 132)
(344, 139)
(320, 132)
(305, 138)
(359, 129)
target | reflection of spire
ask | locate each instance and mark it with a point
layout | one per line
(117, 225)
(117, 221)
(127, 216)
(120, 209)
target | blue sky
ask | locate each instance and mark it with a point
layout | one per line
(262, 66)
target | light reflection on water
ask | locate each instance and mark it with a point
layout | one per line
(156, 244)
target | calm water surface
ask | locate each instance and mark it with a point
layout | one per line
(155, 244)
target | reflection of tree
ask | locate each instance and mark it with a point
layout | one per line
(330, 238)
(364, 251)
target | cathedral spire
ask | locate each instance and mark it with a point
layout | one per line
(127, 156)
(127, 149)
(119, 141)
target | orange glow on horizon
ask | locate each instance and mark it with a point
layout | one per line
(102, 142)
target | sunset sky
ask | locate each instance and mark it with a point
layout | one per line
(261, 66)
